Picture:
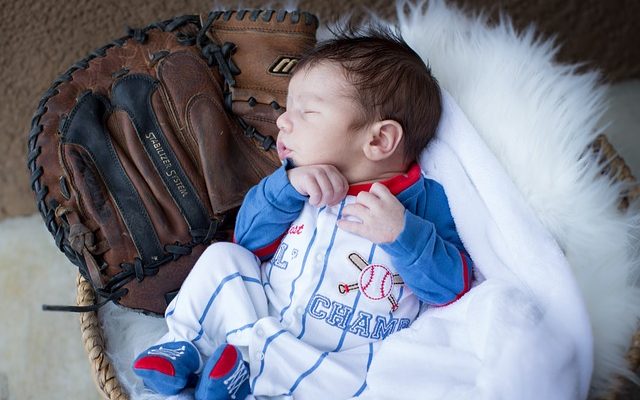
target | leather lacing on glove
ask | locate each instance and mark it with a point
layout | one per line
(82, 240)
(221, 56)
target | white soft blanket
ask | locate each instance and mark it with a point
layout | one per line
(521, 188)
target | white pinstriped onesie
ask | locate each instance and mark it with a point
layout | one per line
(300, 335)
(304, 337)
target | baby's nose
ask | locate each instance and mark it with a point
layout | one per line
(283, 122)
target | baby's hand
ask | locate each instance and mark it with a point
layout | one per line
(381, 213)
(324, 184)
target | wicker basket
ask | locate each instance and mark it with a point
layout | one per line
(104, 373)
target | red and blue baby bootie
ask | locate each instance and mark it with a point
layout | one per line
(225, 376)
(169, 367)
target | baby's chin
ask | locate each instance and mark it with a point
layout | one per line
(293, 161)
(289, 163)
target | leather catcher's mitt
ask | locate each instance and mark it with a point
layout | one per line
(141, 153)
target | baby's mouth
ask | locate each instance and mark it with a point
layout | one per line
(283, 151)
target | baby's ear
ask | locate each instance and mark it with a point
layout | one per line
(384, 137)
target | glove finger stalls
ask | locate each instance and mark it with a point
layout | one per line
(145, 178)
(185, 76)
(98, 174)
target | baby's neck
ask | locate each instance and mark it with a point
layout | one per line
(375, 172)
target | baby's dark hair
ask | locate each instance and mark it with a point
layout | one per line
(391, 81)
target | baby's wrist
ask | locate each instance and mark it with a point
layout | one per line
(397, 227)
(292, 176)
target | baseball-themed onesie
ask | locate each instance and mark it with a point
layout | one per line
(306, 303)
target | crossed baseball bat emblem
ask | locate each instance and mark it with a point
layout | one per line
(375, 282)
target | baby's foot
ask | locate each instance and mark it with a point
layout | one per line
(225, 376)
(167, 368)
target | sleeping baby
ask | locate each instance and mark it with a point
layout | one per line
(336, 250)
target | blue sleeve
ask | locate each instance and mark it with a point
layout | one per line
(266, 213)
(428, 253)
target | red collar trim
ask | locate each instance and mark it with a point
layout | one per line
(395, 184)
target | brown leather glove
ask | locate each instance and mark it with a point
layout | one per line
(141, 153)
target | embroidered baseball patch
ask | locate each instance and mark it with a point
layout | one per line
(376, 282)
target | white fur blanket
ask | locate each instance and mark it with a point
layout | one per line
(536, 118)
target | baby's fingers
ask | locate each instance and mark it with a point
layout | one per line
(326, 188)
(381, 191)
(314, 191)
(355, 210)
(351, 226)
(340, 187)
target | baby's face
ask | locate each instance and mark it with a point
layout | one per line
(315, 129)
